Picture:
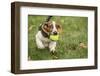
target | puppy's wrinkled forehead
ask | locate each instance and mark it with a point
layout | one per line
(54, 26)
(53, 23)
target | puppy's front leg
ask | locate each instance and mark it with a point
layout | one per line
(39, 43)
(52, 46)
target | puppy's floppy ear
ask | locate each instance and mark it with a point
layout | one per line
(59, 27)
(58, 21)
(45, 27)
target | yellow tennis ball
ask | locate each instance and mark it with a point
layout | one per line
(54, 37)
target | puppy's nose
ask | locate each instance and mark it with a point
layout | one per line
(55, 32)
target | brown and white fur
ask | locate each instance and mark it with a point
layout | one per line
(42, 36)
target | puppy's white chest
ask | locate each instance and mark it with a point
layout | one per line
(43, 42)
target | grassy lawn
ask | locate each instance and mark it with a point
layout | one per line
(74, 34)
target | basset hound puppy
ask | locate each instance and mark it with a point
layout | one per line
(43, 35)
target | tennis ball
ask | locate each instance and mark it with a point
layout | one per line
(54, 37)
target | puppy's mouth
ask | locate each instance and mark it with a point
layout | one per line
(54, 33)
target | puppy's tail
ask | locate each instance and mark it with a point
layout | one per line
(48, 19)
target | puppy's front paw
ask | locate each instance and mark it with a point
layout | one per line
(52, 49)
(54, 55)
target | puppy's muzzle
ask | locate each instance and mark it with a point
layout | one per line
(55, 33)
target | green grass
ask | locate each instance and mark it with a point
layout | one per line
(74, 31)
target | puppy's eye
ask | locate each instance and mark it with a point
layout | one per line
(58, 26)
(49, 26)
